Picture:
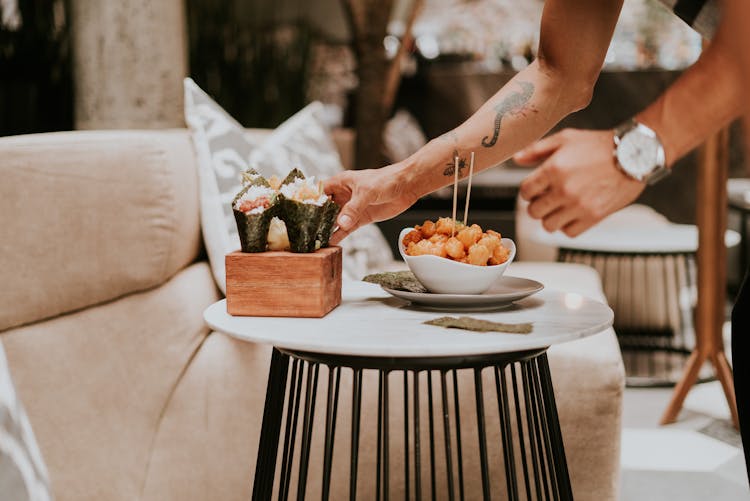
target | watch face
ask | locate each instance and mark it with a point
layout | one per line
(638, 153)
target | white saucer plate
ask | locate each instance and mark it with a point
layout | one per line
(501, 294)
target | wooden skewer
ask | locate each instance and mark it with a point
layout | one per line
(468, 191)
(455, 193)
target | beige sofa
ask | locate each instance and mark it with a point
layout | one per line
(130, 395)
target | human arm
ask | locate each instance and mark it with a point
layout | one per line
(573, 42)
(579, 182)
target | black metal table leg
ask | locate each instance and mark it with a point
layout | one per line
(529, 430)
(268, 445)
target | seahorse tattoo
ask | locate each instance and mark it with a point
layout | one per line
(512, 104)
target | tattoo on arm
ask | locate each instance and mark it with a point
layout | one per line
(515, 103)
(450, 167)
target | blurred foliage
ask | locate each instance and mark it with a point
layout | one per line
(258, 71)
(36, 88)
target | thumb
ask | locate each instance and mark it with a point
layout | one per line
(350, 217)
(538, 151)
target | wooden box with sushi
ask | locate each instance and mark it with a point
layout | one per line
(285, 267)
(284, 284)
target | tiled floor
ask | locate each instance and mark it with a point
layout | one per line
(698, 458)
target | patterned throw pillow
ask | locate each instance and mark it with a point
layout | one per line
(23, 476)
(224, 151)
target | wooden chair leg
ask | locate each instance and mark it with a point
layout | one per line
(688, 379)
(724, 374)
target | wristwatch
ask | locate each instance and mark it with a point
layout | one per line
(639, 153)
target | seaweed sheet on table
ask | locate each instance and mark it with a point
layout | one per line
(302, 224)
(397, 280)
(479, 325)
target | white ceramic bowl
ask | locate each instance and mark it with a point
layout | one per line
(445, 276)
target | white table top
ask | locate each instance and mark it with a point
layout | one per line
(370, 322)
(669, 238)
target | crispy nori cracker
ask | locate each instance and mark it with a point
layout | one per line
(302, 223)
(397, 280)
(330, 211)
(478, 325)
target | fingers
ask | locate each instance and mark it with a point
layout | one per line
(577, 227)
(559, 219)
(539, 150)
(544, 205)
(536, 184)
(353, 215)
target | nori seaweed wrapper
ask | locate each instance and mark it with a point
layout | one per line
(251, 177)
(330, 211)
(293, 174)
(303, 223)
(253, 228)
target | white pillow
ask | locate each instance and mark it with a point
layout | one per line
(224, 151)
(23, 476)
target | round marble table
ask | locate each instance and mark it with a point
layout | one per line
(371, 330)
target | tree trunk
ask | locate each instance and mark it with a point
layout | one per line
(370, 115)
(368, 22)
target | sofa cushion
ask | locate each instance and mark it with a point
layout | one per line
(95, 382)
(90, 216)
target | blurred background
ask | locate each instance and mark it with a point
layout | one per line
(397, 72)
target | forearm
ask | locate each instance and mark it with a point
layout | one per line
(573, 41)
(703, 100)
(522, 111)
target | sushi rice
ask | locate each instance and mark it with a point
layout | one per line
(305, 191)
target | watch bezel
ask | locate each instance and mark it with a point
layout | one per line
(658, 170)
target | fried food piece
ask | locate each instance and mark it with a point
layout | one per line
(420, 248)
(495, 234)
(500, 255)
(438, 249)
(413, 236)
(455, 249)
(478, 255)
(470, 235)
(438, 238)
(428, 229)
(426, 248)
(490, 241)
(445, 226)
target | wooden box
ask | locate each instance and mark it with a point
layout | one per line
(283, 284)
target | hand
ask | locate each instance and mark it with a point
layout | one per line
(366, 196)
(578, 183)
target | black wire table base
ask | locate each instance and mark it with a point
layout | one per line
(423, 394)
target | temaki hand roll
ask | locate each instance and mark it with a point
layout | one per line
(253, 208)
(308, 212)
